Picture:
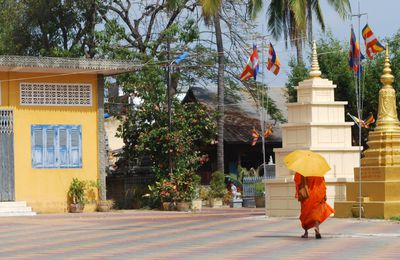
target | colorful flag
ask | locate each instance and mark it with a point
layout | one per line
(356, 119)
(268, 132)
(255, 136)
(355, 55)
(364, 123)
(247, 72)
(372, 45)
(273, 61)
(252, 66)
(370, 120)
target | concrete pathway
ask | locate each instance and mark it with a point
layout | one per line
(211, 234)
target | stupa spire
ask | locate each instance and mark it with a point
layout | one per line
(315, 72)
(387, 77)
(384, 141)
(387, 110)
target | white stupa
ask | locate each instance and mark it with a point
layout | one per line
(317, 123)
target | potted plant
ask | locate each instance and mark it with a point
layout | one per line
(260, 195)
(76, 195)
(217, 189)
(102, 205)
(105, 205)
(186, 183)
(165, 191)
(204, 195)
(197, 200)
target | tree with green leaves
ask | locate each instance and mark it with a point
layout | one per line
(49, 27)
(145, 131)
(293, 19)
(212, 10)
(171, 23)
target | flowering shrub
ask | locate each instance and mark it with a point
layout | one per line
(178, 188)
(166, 190)
(147, 132)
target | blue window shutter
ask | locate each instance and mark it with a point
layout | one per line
(37, 146)
(50, 154)
(56, 146)
(63, 147)
(75, 148)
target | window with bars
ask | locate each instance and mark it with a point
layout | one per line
(53, 94)
(56, 146)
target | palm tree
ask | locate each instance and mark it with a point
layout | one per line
(211, 11)
(293, 18)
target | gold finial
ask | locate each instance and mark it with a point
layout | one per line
(387, 77)
(315, 72)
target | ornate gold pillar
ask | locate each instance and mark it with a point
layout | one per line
(384, 141)
(380, 171)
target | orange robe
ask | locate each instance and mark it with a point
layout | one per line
(315, 207)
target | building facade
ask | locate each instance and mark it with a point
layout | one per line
(52, 127)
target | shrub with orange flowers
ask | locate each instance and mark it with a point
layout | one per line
(167, 190)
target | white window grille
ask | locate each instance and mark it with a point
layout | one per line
(55, 94)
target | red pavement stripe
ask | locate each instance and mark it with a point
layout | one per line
(260, 245)
(214, 242)
(91, 244)
(66, 238)
(164, 240)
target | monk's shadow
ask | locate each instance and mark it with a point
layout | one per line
(288, 237)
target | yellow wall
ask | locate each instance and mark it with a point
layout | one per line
(45, 190)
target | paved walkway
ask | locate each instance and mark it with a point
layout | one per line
(212, 234)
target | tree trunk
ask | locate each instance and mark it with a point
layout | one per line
(220, 49)
(91, 20)
(299, 50)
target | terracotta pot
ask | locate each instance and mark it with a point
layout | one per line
(260, 201)
(75, 208)
(216, 203)
(166, 206)
(197, 205)
(183, 206)
(103, 206)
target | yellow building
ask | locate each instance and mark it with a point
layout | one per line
(51, 127)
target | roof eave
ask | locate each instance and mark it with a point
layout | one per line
(57, 65)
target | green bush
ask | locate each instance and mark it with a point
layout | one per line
(76, 192)
(260, 189)
(204, 192)
(217, 185)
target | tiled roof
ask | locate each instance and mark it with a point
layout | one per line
(240, 115)
(65, 65)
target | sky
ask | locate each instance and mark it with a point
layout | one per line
(382, 16)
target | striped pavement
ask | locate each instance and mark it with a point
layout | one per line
(210, 234)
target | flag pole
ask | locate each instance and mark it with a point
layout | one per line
(263, 114)
(359, 109)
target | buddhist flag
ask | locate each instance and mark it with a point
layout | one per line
(372, 45)
(356, 119)
(364, 123)
(268, 132)
(255, 136)
(370, 120)
(355, 55)
(252, 67)
(273, 62)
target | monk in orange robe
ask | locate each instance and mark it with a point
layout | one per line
(314, 209)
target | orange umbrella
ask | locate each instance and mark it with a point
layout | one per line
(307, 163)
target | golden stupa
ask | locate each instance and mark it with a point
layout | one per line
(380, 171)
